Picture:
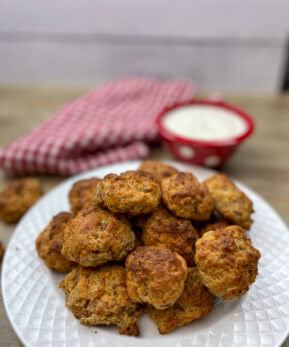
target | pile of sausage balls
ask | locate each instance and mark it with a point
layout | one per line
(153, 240)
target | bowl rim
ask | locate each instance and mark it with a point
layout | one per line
(168, 135)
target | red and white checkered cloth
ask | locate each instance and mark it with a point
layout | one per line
(110, 124)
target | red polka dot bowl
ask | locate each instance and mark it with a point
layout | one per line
(211, 153)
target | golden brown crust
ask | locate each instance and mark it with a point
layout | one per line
(85, 193)
(164, 229)
(98, 296)
(95, 236)
(1, 251)
(227, 262)
(17, 198)
(186, 197)
(230, 201)
(158, 169)
(194, 303)
(213, 226)
(50, 241)
(155, 275)
(133, 192)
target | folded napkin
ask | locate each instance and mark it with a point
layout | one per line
(112, 123)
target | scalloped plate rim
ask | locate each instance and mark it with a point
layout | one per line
(94, 172)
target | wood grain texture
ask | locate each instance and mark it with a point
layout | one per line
(246, 19)
(220, 44)
(262, 162)
(210, 65)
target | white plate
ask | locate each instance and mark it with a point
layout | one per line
(35, 305)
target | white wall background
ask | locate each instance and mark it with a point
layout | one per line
(237, 45)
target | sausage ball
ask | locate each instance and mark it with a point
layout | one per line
(85, 193)
(227, 262)
(194, 303)
(98, 296)
(230, 201)
(50, 241)
(17, 198)
(157, 169)
(95, 236)
(213, 226)
(164, 229)
(155, 275)
(132, 192)
(186, 197)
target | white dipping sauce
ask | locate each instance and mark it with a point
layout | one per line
(203, 122)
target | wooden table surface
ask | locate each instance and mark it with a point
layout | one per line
(262, 162)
